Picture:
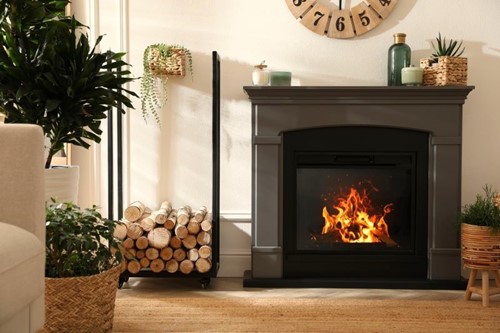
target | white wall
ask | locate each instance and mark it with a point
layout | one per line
(174, 162)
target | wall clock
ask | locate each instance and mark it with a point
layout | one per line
(341, 19)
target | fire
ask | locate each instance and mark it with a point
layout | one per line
(355, 222)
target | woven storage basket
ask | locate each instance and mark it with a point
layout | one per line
(81, 304)
(450, 71)
(480, 247)
(173, 65)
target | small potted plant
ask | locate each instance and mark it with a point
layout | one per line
(161, 61)
(480, 233)
(445, 66)
(82, 269)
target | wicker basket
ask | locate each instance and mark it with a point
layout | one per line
(81, 304)
(175, 64)
(480, 247)
(450, 71)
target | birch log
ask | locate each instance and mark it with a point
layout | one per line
(205, 251)
(189, 242)
(148, 223)
(161, 214)
(152, 253)
(142, 243)
(203, 265)
(193, 227)
(171, 220)
(159, 237)
(175, 242)
(206, 224)
(157, 265)
(186, 266)
(134, 266)
(199, 215)
(204, 238)
(134, 230)
(134, 211)
(179, 255)
(183, 215)
(172, 266)
(166, 253)
(193, 254)
(144, 262)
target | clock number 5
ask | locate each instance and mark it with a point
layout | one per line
(365, 20)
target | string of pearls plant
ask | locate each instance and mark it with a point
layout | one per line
(160, 61)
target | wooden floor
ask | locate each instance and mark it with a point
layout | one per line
(221, 287)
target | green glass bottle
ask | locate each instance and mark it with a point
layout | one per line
(399, 57)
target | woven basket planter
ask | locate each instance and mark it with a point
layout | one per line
(81, 304)
(480, 247)
(174, 65)
(450, 71)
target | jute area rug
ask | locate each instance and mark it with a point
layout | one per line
(290, 314)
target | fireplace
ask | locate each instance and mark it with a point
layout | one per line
(356, 186)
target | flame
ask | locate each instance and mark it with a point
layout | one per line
(353, 221)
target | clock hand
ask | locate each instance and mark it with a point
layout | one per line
(340, 4)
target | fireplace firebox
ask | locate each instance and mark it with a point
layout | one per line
(360, 198)
(356, 186)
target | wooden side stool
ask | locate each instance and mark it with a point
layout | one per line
(484, 290)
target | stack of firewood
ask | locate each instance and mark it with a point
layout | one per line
(166, 239)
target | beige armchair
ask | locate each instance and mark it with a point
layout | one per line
(22, 228)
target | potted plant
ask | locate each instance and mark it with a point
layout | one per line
(480, 234)
(51, 75)
(161, 61)
(82, 269)
(445, 66)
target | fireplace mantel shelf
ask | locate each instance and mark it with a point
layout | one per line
(359, 94)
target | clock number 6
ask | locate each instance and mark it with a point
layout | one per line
(298, 3)
(365, 20)
(339, 24)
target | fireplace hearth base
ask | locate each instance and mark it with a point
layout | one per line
(251, 282)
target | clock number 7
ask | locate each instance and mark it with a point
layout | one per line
(365, 20)
(298, 3)
(320, 16)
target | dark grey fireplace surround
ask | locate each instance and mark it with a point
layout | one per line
(436, 110)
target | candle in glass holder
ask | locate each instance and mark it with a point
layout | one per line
(281, 78)
(412, 76)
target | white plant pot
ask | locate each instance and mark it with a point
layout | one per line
(61, 183)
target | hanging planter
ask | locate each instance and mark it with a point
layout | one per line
(161, 61)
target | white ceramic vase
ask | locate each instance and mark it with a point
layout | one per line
(61, 183)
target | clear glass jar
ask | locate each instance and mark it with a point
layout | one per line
(260, 75)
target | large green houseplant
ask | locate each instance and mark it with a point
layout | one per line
(51, 74)
(82, 269)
